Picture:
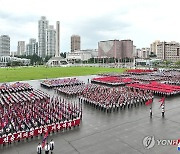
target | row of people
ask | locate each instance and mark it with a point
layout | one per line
(106, 98)
(170, 73)
(34, 111)
(61, 82)
(15, 107)
(71, 90)
(112, 80)
(47, 147)
(147, 78)
(15, 87)
(157, 88)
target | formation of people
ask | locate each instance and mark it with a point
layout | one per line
(168, 77)
(112, 80)
(146, 78)
(139, 71)
(24, 110)
(71, 90)
(108, 99)
(61, 82)
(157, 88)
(171, 77)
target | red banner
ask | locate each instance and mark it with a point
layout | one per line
(38, 131)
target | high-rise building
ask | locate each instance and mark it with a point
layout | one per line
(4, 45)
(75, 43)
(57, 39)
(115, 49)
(109, 49)
(168, 51)
(153, 47)
(144, 53)
(127, 48)
(50, 41)
(134, 51)
(21, 48)
(42, 27)
(48, 38)
(32, 47)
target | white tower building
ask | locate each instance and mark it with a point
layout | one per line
(50, 41)
(21, 48)
(4, 45)
(57, 39)
(42, 27)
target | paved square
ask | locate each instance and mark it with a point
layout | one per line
(118, 132)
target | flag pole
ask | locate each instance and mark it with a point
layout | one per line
(151, 110)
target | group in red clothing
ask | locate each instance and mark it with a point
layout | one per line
(24, 109)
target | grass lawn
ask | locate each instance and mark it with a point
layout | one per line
(32, 73)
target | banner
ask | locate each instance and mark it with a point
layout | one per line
(38, 131)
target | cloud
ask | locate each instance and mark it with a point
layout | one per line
(100, 28)
(143, 21)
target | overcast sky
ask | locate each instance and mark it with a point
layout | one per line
(142, 21)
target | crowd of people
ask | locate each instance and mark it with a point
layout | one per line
(15, 87)
(173, 81)
(71, 90)
(108, 99)
(61, 82)
(24, 110)
(112, 80)
(157, 88)
(147, 78)
(139, 71)
(170, 77)
(168, 73)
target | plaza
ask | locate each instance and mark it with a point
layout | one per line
(116, 132)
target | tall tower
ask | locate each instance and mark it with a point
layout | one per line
(4, 45)
(50, 41)
(21, 48)
(42, 27)
(32, 47)
(154, 46)
(57, 39)
(75, 43)
(127, 48)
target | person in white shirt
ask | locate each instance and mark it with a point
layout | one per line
(163, 110)
(150, 112)
(39, 149)
(52, 146)
(47, 148)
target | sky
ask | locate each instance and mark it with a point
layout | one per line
(142, 21)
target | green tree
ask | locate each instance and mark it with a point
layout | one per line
(47, 58)
(34, 59)
(152, 55)
(166, 63)
(63, 54)
(177, 63)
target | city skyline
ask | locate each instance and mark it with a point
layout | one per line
(141, 21)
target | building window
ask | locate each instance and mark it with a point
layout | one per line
(177, 51)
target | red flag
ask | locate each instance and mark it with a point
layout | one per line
(149, 102)
(31, 95)
(9, 98)
(162, 100)
(44, 139)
